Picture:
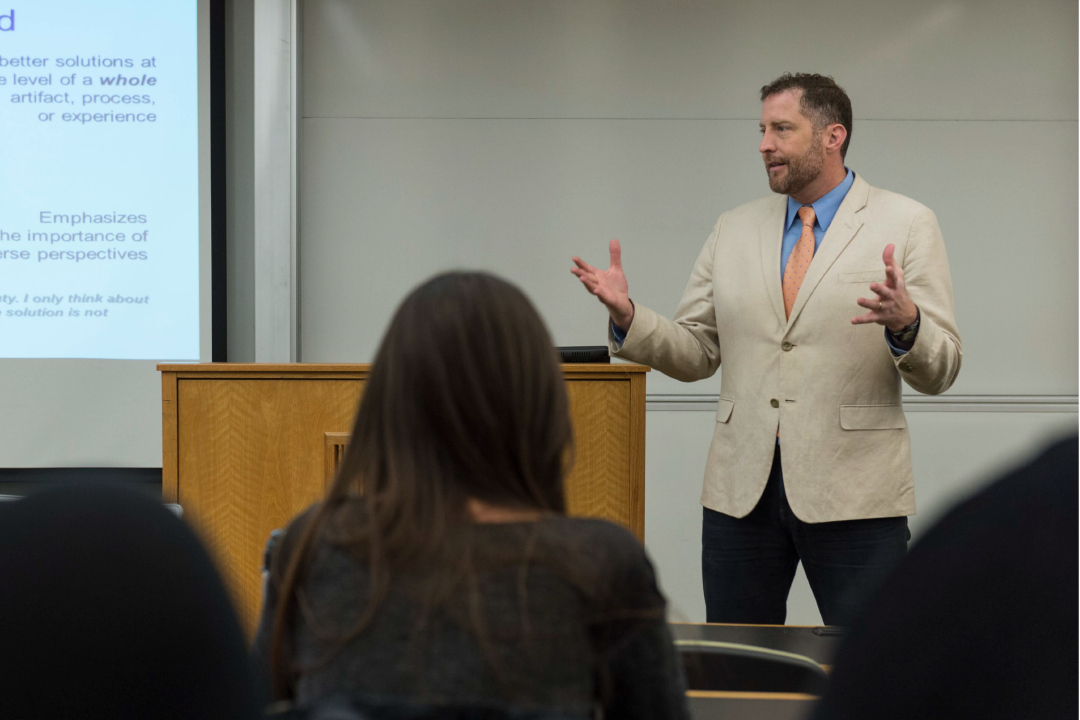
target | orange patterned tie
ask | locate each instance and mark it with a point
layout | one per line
(799, 259)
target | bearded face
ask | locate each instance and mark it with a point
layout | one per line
(789, 174)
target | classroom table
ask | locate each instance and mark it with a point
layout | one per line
(749, 706)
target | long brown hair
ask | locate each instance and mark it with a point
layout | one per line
(465, 400)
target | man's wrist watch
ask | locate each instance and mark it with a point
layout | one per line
(907, 334)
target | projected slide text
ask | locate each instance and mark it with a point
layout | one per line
(99, 172)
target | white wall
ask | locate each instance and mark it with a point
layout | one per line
(510, 135)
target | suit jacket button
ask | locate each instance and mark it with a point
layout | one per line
(787, 346)
(775, 403)
(906, 367)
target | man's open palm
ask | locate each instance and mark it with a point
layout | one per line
(609, 286)
(892, 307)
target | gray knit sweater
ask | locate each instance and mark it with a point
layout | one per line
(551, 645)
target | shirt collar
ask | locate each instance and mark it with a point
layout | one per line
(825, 207)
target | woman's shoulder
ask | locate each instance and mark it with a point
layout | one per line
(283, 541)
(342, 510)
(602, 536)
(608, 553)
(295, 527)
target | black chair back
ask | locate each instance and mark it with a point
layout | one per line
(722, 666)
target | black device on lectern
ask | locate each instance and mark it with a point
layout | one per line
(584, 354)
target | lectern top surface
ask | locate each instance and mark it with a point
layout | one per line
(603, 368)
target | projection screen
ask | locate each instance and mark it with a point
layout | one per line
(105, 223)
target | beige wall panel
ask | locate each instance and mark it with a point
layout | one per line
(953, 453)
(609, 58)
(389, 202)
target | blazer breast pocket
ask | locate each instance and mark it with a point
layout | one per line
(872, 417)
(864, 276)
(723, 410)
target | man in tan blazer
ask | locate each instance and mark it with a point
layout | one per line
(771, 296)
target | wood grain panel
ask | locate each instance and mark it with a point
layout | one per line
(636, 452)
(169, 445)
(251, 456)
(599, 484)
(335, 445)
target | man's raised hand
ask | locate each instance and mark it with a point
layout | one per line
(609, 286)
(892, 307)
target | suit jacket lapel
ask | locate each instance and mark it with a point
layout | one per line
(772, 236)
(841, 231)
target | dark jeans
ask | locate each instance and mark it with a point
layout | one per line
(747, 564)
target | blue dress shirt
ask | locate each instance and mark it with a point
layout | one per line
(825, 209)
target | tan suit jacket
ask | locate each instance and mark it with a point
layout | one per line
(830, 387)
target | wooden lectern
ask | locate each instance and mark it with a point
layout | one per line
(248, 446)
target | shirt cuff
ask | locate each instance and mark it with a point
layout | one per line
(618, 332)
(895, 346)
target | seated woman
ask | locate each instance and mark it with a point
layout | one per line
(441, 569)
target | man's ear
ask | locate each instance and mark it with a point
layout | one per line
(835, 135)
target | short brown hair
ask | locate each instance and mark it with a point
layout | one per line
(823, 101)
